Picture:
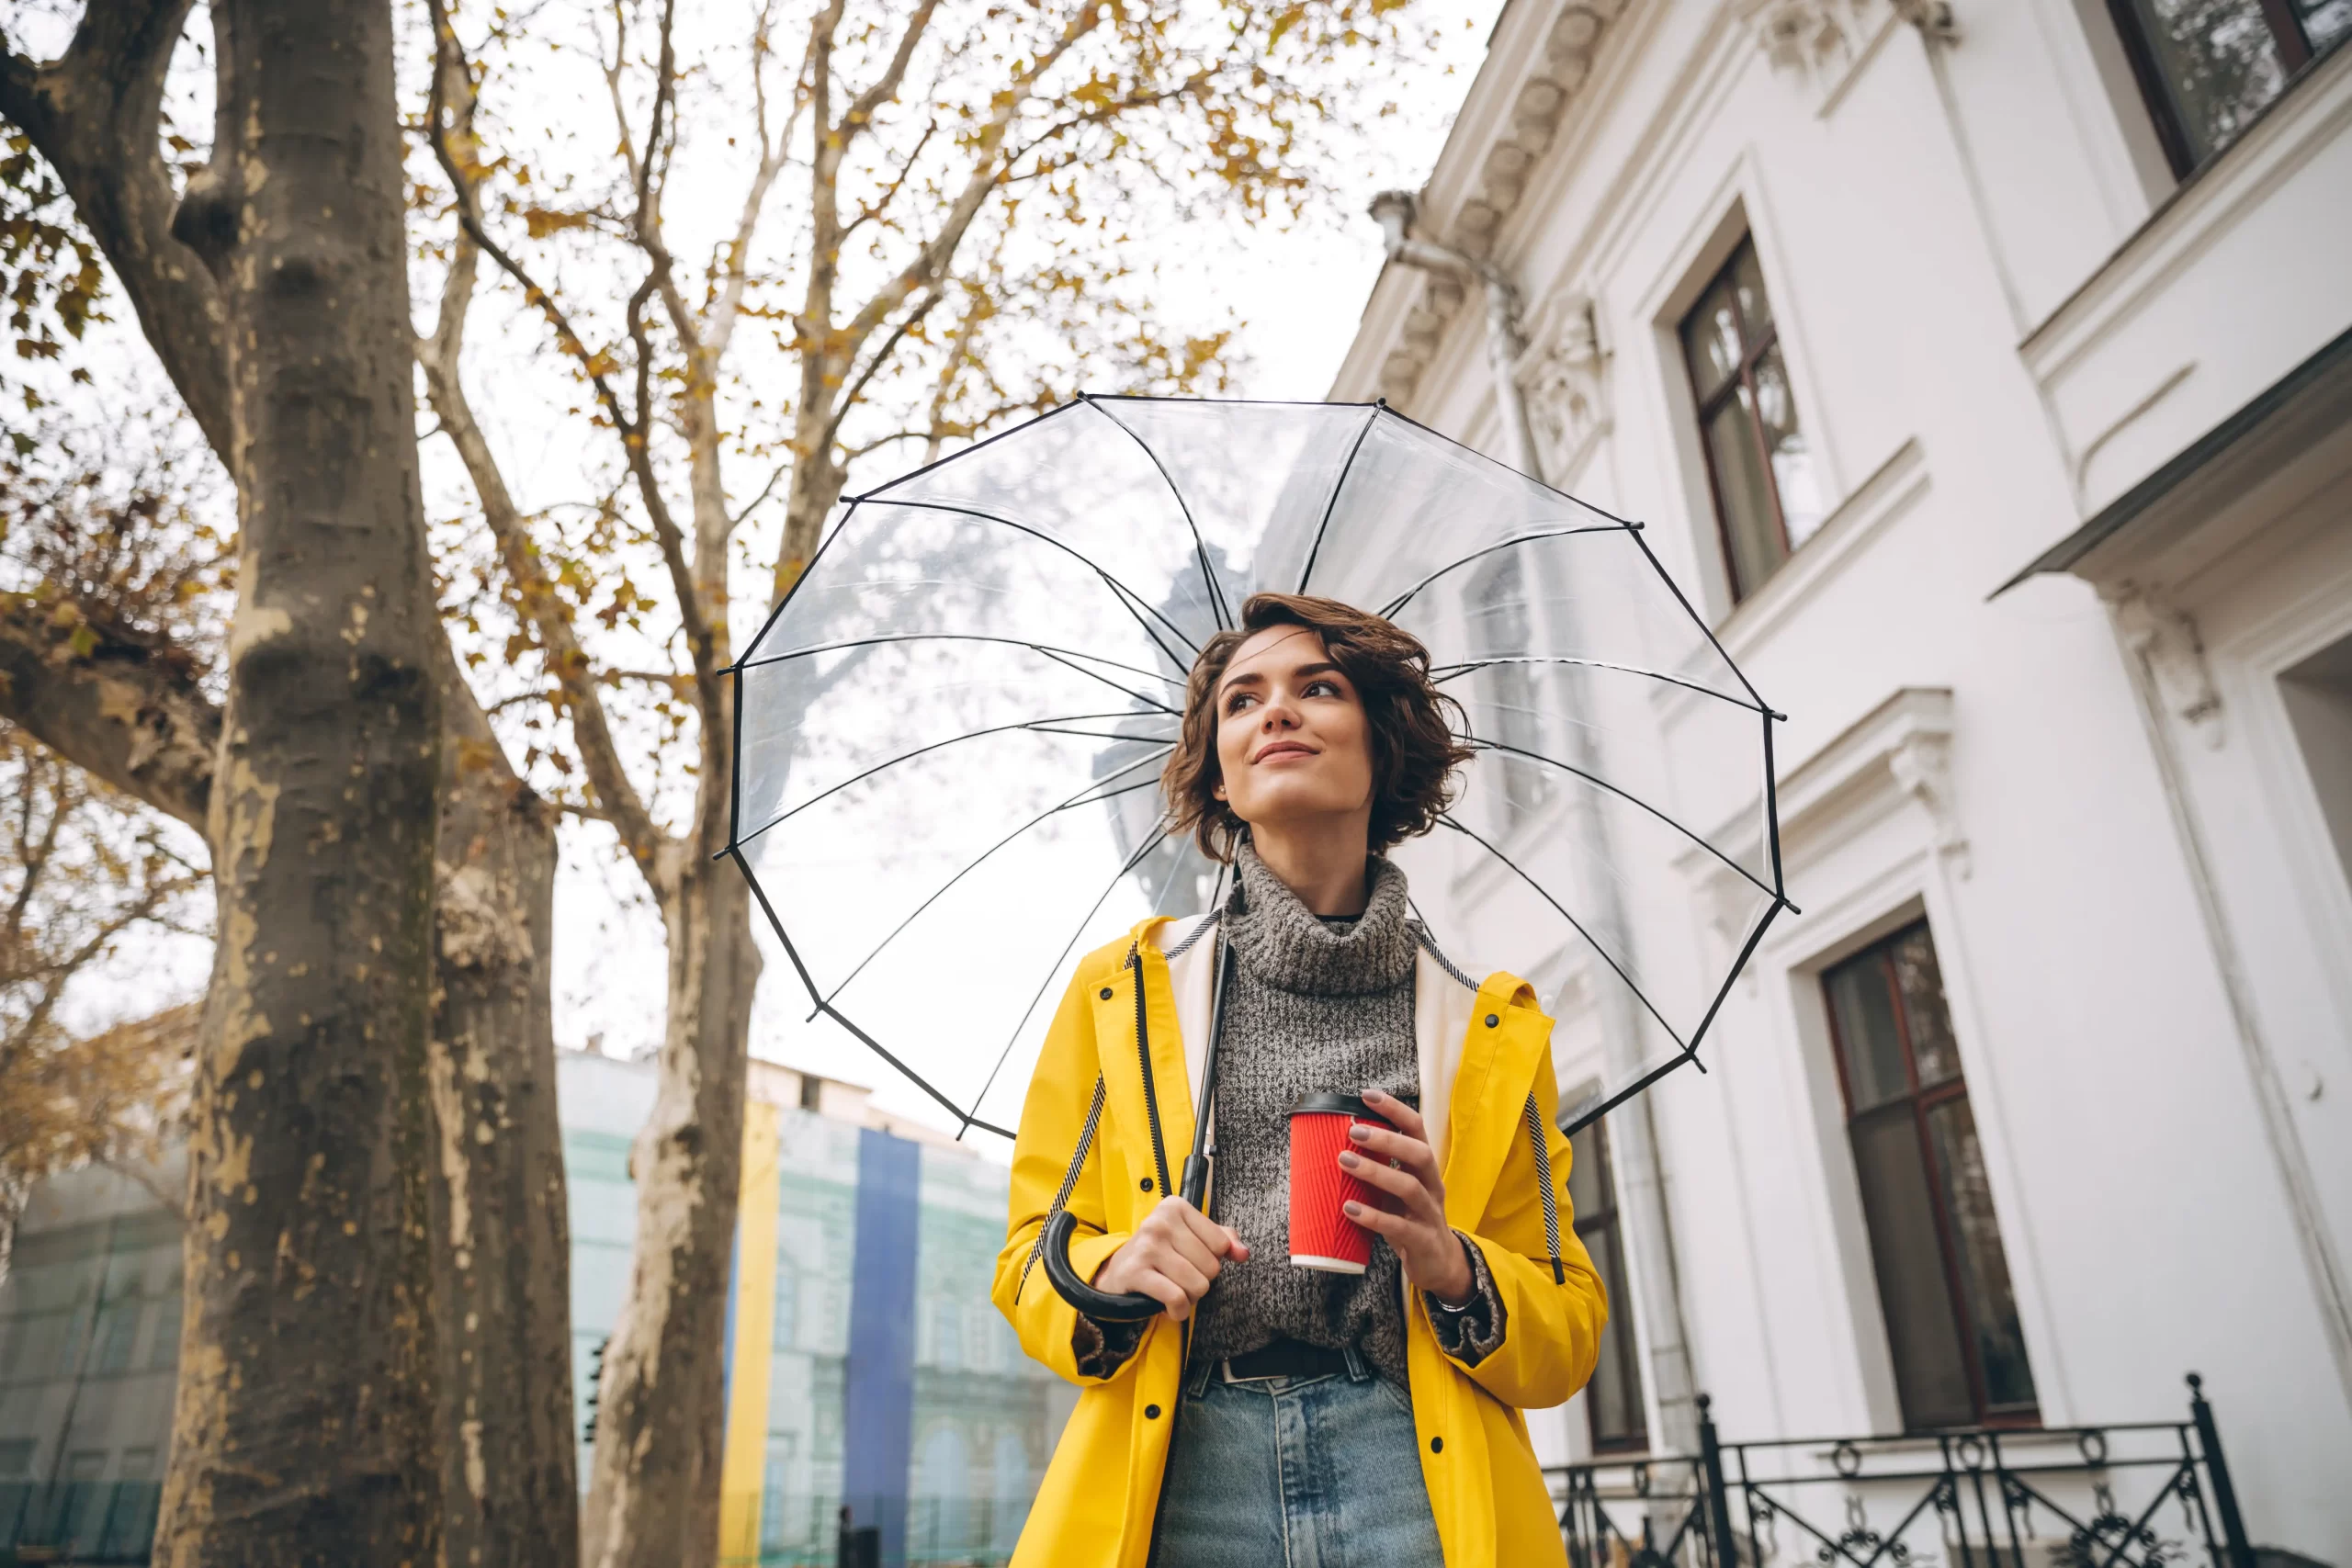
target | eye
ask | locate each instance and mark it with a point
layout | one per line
(1237, 701)
(1322, 685)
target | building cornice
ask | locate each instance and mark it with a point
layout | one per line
(1536, 69)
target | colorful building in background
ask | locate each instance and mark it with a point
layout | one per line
(865, 1363)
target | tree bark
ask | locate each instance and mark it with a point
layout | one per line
(503, 1258)
(306, 1426)
(653, 1495)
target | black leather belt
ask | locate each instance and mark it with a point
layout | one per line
(1284, 1358)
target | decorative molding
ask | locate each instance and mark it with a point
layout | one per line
(1897, 755)
(1562, 376)
(2164, 638)
(1562, 68)
(1921, 763)
(1824, 42)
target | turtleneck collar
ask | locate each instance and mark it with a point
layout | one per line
(1285, 945)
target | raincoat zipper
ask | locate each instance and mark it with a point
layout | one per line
(1143, 1050)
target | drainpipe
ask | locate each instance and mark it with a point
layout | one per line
(1640, 1175)
(1394, 210)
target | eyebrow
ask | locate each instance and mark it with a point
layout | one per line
(1253, 678)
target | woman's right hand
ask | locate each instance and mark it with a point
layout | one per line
(1173, 1257)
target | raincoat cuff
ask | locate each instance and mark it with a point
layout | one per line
(1475, 1331)
(1102, 1349)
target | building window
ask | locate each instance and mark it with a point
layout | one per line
(1612, 1400)
(1943, 1279)
(1767, 502)
(2208, 67)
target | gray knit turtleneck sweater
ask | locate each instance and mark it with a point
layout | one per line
(1312, 1005)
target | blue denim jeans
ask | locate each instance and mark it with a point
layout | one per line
(1294, 1472)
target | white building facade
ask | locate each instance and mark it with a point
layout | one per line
(1983, 376)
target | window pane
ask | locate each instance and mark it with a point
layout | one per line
(1983, 1267)
(2220, 64)
(1711, 340)
(1869, 1038)
(1929, 1376)
(1613, 1397)
(1921, 981)
(1588, 1170)
(1748, 281)
(2326, 22)
(1801, 509)
(1743, 490)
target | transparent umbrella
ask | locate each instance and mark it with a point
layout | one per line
(952, 729)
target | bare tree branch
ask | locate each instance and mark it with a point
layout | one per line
(95, 113)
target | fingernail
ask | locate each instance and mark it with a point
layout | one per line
(1351, 1210)
(1361, 1135)
(1350, 1158)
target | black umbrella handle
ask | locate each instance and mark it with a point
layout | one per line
(1099, 1306)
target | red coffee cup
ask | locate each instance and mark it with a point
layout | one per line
(1321, 1234)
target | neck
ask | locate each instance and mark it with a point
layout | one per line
(1323, 864)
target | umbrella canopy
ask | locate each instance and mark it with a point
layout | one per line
(952, 729)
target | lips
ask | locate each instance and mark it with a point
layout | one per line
(1283, 748)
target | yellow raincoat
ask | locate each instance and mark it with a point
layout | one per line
(1486, 1059)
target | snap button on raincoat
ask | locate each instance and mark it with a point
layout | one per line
(1488, 1094)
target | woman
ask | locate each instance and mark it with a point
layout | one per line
(1273, 1415)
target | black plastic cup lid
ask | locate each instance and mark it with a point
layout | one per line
(1331, 1101)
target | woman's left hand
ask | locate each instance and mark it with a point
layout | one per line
(1402, 1165)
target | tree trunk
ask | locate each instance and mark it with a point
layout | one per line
(502, 1252)
(307, 1419)
(653, 1495)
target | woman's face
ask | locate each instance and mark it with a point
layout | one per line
(1292, 741)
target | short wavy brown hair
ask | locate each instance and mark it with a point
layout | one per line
(1414, 750)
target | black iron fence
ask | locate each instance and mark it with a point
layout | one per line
(2133, 1495)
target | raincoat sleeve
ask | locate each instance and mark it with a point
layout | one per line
(1053, 1120)
(1550, 1330)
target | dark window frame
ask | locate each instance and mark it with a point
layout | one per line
(2295, 53)
(1603, 1235)
(1751, 354)
(1919, 1103)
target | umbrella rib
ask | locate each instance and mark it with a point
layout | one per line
(827, 1007)
(1492, 462)
(1540, 892)
(776, 612)
(1200, 551)
(1389, 612)
(1041, 726)
(1599, 782)
(1315, 548)
(1128, 597)
(1064, 656)
(1083, 797)
(1445, 672)
(1054, 970)
(1704, 629)
(1068, 660)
